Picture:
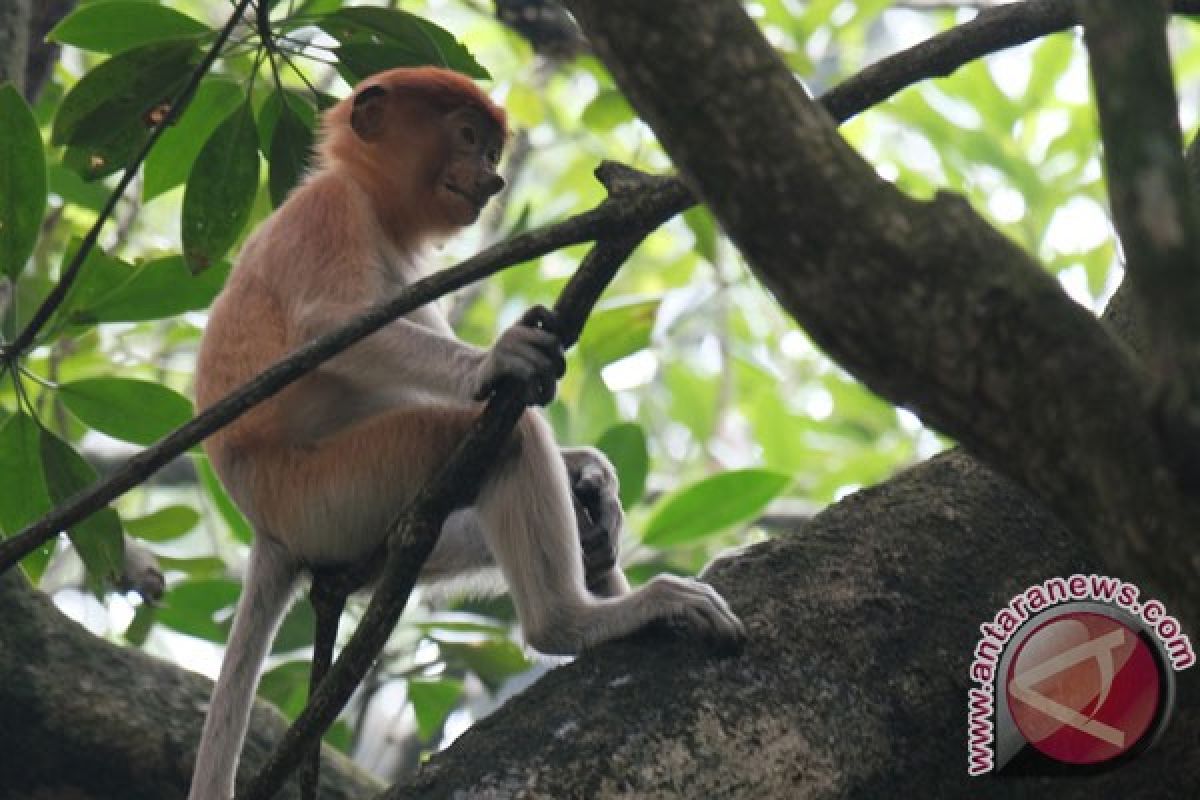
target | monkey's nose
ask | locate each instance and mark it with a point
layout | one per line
(491, 185)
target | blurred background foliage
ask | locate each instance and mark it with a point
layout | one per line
(725, 423)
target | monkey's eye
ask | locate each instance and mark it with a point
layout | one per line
(467, 133)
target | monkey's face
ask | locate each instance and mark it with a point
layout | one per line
(468, 180)
(429, 141)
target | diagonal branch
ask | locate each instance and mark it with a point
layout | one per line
(992, 30)
(415, 534)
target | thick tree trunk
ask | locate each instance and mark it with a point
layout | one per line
(14, 41)
(854, 682)
(82, 718)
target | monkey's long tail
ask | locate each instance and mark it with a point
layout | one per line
(270, 575)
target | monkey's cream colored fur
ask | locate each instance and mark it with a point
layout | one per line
(321, 469)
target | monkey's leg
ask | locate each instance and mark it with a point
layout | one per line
(357, 481)
(530, 525)
(266, 592)
(336, 498)
(461, 548)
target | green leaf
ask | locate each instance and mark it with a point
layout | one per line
(296, 630)
(169, 162)
(194, 606)
(525, 106)
(268, 116)
(291, 149)
(23, 501)
(440, 623)
(1050, 62)
(493, 661)
(206, 567)
(286, 686)
(700, 222)
(625, 446)
(97, 538)
(692, 399)
(22, 181)
(311, 7)
(617, 331)
(712, 505)
(107, 117)
(608, 109)
(68, 185)
(237, 523)
(135, 411)
(117, 25)
(143, 620)
(220, 190)
(164, 524)
(596, 409)
(156, 289)
(432, 702)
(380, 38)
(99, 275)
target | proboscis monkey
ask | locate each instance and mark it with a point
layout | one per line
(321, 469)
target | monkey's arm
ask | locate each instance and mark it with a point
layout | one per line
(407, 355)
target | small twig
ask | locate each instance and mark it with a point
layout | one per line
(994, 29)
(53, 300)
(415, 534)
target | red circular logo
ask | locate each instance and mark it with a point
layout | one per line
(1083, 688)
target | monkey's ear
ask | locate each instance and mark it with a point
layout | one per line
(367, 115)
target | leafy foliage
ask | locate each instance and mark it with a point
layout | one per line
(22, 181)
(220, 190)
(107, 117)
(118, 25)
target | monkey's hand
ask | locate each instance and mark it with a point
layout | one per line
(599, 517)
(530, 352)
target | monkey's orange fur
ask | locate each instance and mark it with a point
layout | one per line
(323, 467)
(365, 203)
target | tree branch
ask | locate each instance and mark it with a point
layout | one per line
(415, 534)
(88, 718)
(43, 53)
(14, 41)
(991, 30)
(1152, 206)
(924, 302)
